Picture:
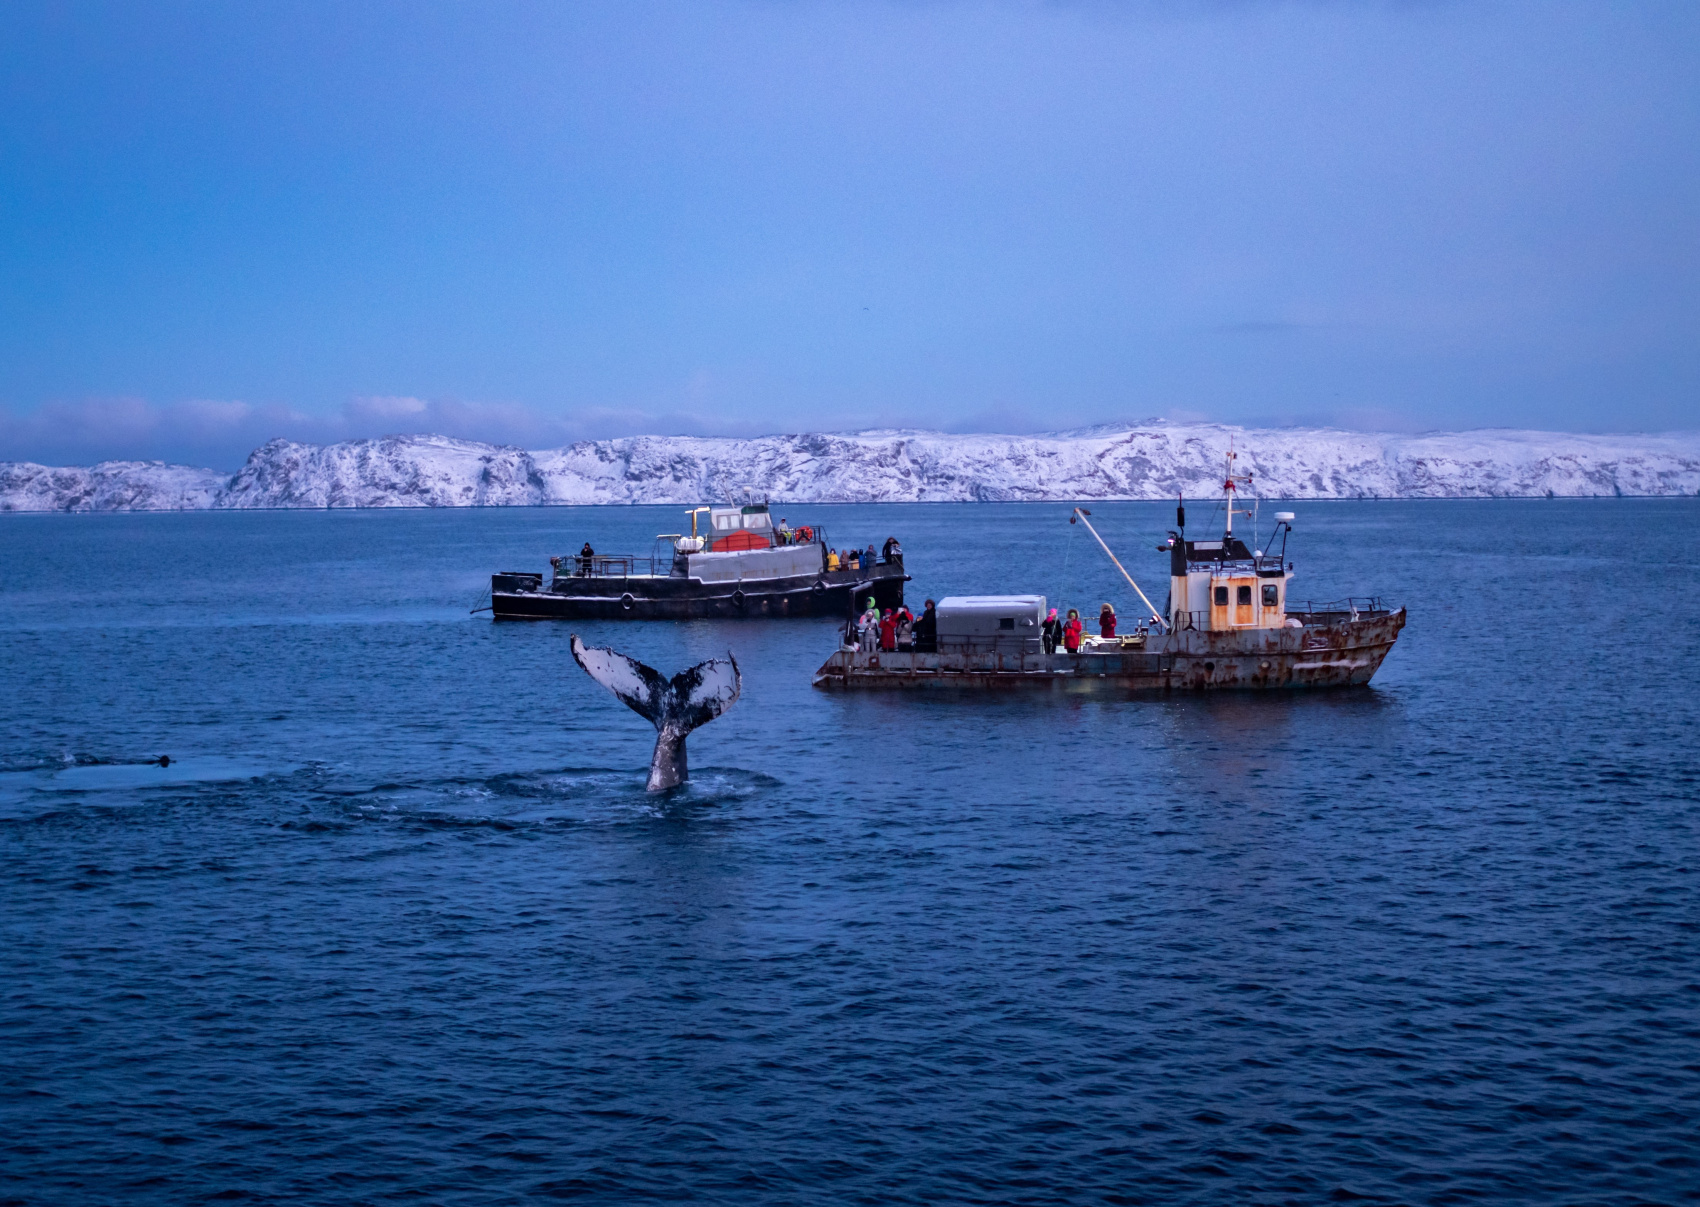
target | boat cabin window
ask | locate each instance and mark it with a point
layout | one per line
(1006, 622)
(1271, 595)
(1244, 599)
(731, 521)
(1221, 597)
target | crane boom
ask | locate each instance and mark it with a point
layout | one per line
(1155, 615)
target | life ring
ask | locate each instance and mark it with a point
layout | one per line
(806, 535)
(738, 600)
(627, 602)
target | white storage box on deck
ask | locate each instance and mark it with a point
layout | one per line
(1007, 623)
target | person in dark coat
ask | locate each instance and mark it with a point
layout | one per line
(1051, 632)
(1107, 621)
(927, 630)
(584, 556)
(893, 551)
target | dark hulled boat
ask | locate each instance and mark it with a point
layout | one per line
(734, 563)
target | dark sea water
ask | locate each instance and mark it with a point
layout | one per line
(400, 924)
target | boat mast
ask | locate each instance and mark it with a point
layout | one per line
(1231, 483)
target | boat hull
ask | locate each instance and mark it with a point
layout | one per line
(1341, 653)
(827, 593)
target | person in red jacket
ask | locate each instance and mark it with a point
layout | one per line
(888, 630)
(1107, 621)
(1071, 632)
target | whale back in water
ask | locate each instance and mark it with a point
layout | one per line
(690, 699)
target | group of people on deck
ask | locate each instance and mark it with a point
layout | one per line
(1067, 633)
(864, 559)
(896, 630)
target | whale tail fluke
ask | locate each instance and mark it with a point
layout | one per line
(675, 706)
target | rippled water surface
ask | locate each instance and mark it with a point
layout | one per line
(399, 923)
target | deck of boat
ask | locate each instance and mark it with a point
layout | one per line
(618, 596)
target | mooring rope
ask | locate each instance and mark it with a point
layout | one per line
(1068, 549)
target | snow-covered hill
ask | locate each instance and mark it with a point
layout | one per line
(1149, 462)
(109, 486)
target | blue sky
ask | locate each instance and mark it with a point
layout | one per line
(539, 222)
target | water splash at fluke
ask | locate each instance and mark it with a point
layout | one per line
(689, 700)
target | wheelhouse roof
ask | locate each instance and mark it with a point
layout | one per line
(1231, 550)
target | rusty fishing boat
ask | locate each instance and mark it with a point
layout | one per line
(1229, 624)
(733, 563)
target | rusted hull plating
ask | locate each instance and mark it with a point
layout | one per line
(1342, 653)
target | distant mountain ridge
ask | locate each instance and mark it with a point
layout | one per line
(1154, 461)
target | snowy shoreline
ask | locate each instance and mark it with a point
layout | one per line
(1146, 462)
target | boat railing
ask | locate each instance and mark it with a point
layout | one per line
(604, 565)
(1305, 611)
(1335, 610)
(627, 565)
